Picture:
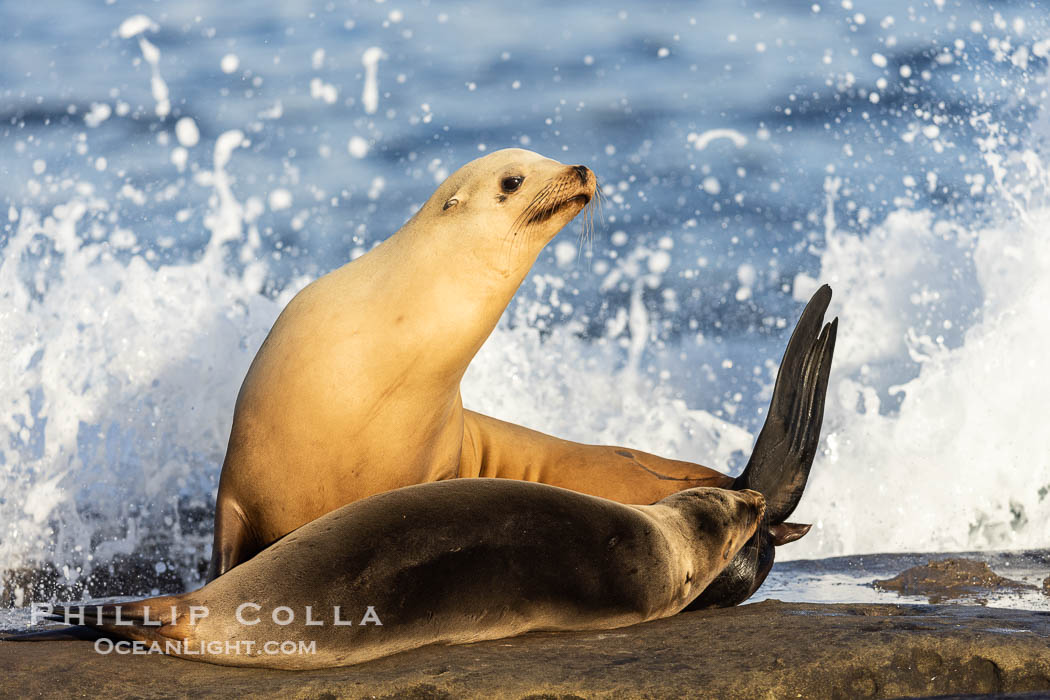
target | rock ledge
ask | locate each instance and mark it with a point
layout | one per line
(769, 649)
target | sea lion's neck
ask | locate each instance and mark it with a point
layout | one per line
(458, 292)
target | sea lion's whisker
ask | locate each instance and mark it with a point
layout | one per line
(525, 216)
(600, 196)
(592, 212)
(538, 211)
(554, 202)
(545, 206)
(519, 228)
(523, 224)
(601, 202)
(587, 228)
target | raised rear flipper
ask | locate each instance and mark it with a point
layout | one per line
(784, 451)
(780, 463)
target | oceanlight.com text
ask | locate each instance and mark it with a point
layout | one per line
(246, 647)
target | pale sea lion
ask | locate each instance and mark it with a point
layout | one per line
(355, 391)
(453, 562)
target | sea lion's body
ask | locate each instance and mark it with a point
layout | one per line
(356, 389)
(453, 562)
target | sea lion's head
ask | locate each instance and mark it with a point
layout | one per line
(509, 204)
(748, 570)
(722, 522)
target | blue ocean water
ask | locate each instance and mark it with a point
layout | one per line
(174, 172)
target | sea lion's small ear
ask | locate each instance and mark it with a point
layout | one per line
(787, 532)
(450, 203)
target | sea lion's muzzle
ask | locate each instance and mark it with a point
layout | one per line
(552, 199)
(756, 503)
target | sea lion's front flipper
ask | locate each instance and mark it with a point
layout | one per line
(79, 633)
(233, 541)
(784, 533)
(783, 454)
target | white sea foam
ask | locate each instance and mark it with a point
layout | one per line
(158, 88)
(135, 25)
(702, 141)
(230, 63)
(586, 392)
(123, 371)
(100, 112)
(120, 381)
(962, 461)
(186, 132)
(370, 93)
(357, 147)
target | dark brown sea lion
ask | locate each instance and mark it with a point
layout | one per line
(451, 562)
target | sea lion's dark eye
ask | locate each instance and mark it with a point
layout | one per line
(510, 184)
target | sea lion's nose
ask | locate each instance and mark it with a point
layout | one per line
(582, 172)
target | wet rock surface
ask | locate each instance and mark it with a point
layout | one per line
(767, 649)
(952, 579)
